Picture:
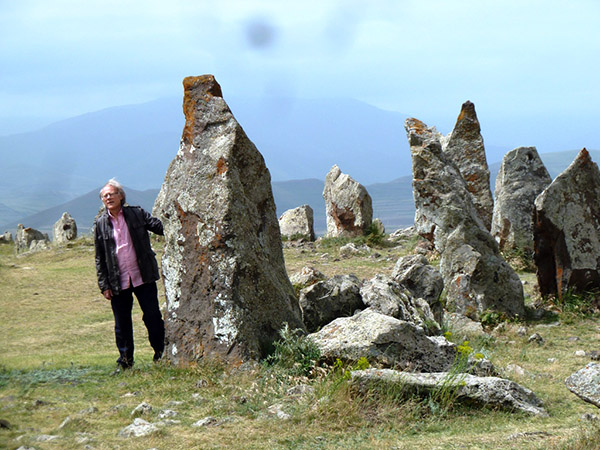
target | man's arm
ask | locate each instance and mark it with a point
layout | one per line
(153, 224)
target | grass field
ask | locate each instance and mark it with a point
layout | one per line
(58, 355)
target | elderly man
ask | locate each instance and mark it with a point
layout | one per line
(126, 265)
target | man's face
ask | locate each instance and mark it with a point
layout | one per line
(111, 198)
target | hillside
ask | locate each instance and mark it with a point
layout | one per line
(392, 203)
(299, 139)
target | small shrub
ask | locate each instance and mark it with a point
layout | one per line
(294, 352)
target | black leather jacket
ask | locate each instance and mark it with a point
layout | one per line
(139, 222)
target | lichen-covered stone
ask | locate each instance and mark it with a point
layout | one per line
(385, 342)
(521, 178)
(65, 229)
(298, 222)
(464, 147)
(475, 275)
(384, 295)
(585, 384)
(567, 230)
(348, 205)
(227, 289)
(422, 280)
(486, 391)
(327, 300)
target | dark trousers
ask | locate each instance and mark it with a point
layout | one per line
(122, 304)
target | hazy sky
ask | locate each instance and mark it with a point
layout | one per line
(519, 61)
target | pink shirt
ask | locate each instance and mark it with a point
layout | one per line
(126, 257)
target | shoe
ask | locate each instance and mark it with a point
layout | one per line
(157, 356)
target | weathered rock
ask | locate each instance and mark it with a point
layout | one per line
(6, 238)
(226, 285)
(521, 178)
(464, 328)
(348, 205)
(422, 280)
(585, 384)
(298, 222)
(351, 249)
(464, 147)
(476, 277)
(403, 233)
(491, 392)
(385, 342)
(139, 428)
(567, 230)
(307, 276)
(327, 300)
(384, 295)
(65, 229)
(30, 240)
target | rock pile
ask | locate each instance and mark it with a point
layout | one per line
(228, 293)
(521, 178)
(475, 275)
(348, 205)
(567, 230)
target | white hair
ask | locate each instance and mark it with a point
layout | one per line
(114, 183)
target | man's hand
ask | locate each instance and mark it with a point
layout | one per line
(107, 294)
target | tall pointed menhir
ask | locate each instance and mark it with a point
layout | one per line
(228, 293)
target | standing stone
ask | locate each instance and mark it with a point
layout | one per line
(30, 240)
(227, 289)
(348, 205)
(475, 275)
(464, 147)
(521, 178)
(298, 222)
(65, 229)
(567, 230)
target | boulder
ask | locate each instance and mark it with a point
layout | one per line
(327, 300)
(307, 276)
(30, 240)
(521, 178)
(384, 295)
(385, 342)
(6, 238)
(422, 280)
(567, 230)
(585, 384)
(490, 392)
(464, 147)
(298, 222)
(475, 275)
(65, 229)
(227, 290)
(348, 205)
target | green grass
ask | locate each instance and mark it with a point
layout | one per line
(58, 355)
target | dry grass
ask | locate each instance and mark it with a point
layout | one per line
(58, 355)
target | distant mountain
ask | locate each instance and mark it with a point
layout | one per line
(299, 139)
(392, 203)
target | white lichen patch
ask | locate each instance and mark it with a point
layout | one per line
(225, 328)
(173, 349)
